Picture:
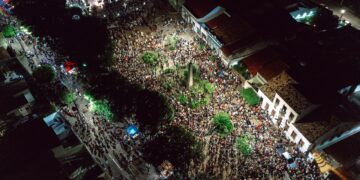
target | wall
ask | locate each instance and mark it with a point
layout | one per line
(285, 120)
(297, 138)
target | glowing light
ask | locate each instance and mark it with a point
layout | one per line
(304, 15)
(132, 130)
(343, 11)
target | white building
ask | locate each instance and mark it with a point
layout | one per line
(311, 126)
(286, 104)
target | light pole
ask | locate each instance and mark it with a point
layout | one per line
(342, 12)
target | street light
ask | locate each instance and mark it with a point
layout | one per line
(342, 12)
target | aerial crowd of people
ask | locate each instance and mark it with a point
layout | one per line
(136, 37)
(139, 26)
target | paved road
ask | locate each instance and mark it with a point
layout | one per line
(349, 15)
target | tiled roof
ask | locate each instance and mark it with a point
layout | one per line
(267, 62)
(313, 130)
(282, 84)
(248, 22)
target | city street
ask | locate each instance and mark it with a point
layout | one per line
(349, 15)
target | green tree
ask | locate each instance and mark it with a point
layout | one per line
(176, 145)
(153, 109)
(172, 42)
(208, 87)
(44, 74)
(9, 31)
(150, 58)
(100, 106)
(242, 145)
(250, 96)
(103, 108)
(68, 97)
(222, 123)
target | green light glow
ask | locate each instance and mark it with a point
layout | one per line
(25, 30)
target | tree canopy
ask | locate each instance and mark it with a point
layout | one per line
(153, 108)
(150, 58)
(222, 123)
(68, 97)
(9, 31)
(176, 145)
(100, 106)
(44, 74)
(250, 96)
(242, 144)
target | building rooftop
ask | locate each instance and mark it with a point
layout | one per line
(4, 55)
(267, 62)
(346, 151)
(283, 85)
(317, 123)
(7, 94)
(248, 21)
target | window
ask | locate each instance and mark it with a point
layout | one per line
(273, 113)
(301, 143)
(283, 110)
(279, 120)
(286, 128)
(291, 117)
(266, 106)
(293, 135)
(277, 102)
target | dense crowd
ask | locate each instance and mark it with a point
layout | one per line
(222, 159)
(134, 35)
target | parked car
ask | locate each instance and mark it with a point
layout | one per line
(280, 150)
(291, 164)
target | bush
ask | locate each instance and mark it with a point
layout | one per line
(222, 123)
(250, 96)
(150, 58)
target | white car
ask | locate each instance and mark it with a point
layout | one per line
(291, 164)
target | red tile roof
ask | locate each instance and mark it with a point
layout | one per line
(267, 62)
(249, 21)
